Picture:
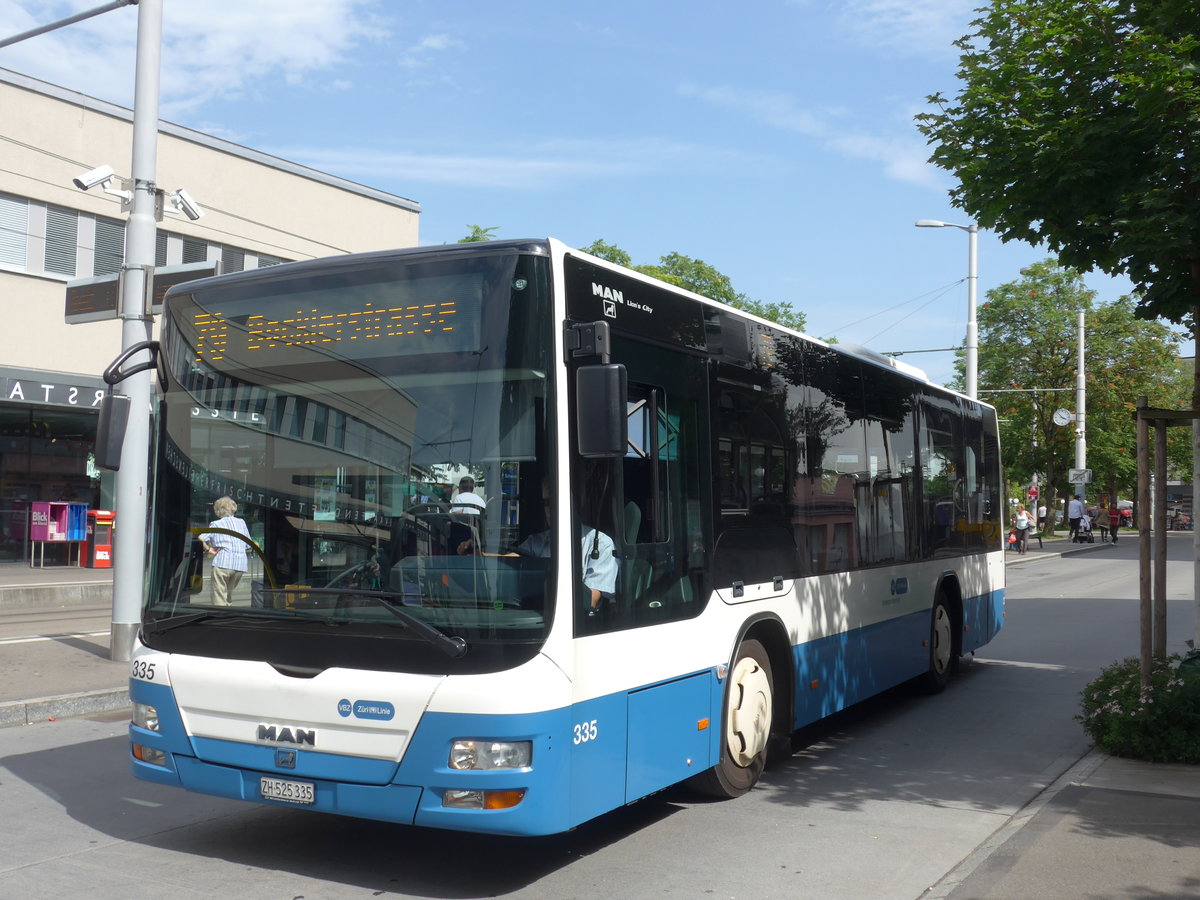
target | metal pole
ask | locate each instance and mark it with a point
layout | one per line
(1081, 411)
(1143, 523)
(70, 20)
(132, 501)
(972, 343)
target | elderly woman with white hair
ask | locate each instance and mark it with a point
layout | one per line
(228, 552)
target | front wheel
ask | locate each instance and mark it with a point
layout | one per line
(941, 647)
(746, 725)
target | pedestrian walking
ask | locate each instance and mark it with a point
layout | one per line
(1114, 521)
(1074, 516)
(1022, 522)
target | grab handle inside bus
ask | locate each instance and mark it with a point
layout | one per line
(602, 421)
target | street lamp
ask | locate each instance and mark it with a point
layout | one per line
(972, 342)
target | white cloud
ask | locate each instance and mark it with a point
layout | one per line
(209, 49)
(543, 165)
(906, 27)
(903, 155)
(421, 53)
(773, 108)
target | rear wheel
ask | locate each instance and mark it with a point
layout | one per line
(746, 725)
(941, 647)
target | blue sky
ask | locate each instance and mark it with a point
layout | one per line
(771, 138)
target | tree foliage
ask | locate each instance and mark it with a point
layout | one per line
(1078, 125)
(477, 234)
(1029, 347)
(699, 277)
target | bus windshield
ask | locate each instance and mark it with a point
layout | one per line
(378, 426)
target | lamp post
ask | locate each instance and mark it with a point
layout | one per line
(972, 343)
(1081, 408)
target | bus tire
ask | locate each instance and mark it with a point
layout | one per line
(745, 725)
(941, 647)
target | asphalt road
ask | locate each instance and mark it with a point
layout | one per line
(883, 801)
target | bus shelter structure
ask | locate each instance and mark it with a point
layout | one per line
(1152, 527)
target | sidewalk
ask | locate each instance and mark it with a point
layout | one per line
(54, 652)
(1107, 827)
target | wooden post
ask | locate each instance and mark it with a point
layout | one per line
(1160, 538)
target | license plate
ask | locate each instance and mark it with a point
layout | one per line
(288, 791)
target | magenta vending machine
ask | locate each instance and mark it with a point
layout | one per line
(55, 522)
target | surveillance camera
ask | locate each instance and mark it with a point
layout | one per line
(185, 204)
(89, 180)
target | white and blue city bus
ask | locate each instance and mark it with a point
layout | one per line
(792, 528)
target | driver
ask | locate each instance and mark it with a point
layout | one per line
(599, 565)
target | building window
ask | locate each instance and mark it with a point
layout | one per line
(232, 260)
(14, 231)
(194, 251)
(110, 246)
(62, 240)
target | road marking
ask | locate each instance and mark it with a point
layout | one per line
(53, 637)
(1049, 667)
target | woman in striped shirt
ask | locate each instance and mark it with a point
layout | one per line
(228, 553)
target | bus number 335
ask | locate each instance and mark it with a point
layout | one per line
(585, 731)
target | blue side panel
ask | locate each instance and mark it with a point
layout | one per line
(982, 618)
(839, 671)
(597, 770)
(668, 734)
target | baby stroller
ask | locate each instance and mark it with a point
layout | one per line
(1084, 535)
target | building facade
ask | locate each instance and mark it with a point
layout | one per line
(259, 210)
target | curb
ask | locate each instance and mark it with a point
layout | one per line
(41, 709)
(56, 595)
(1078, 771)
(1056, 554)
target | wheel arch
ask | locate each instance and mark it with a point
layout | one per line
(949, 587)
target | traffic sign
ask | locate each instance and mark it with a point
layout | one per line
(1033, 492)
(1080, 476)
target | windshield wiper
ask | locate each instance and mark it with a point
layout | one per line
(167, 623)
(450, 644)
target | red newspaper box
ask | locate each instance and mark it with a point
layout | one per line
(98, 552)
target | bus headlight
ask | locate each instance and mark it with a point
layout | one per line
(471, 754)
(145, 716)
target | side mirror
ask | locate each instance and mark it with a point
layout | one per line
(110, 430)
(603, 424)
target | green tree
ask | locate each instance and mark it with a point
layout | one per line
(1029, 352)
(699, 277)
(478, 233)
(611, 252)
(1078, 125)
